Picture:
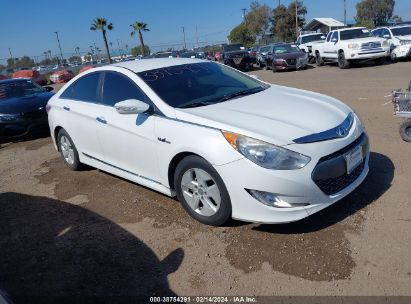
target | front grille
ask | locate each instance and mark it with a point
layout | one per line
(334, 184)
(369, 46)
(291, 61)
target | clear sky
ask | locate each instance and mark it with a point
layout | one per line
(27, 26)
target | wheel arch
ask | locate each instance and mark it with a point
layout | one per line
(174, 163)
(56, 133)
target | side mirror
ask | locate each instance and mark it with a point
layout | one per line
(254, 76)
(48, 89)
(386, 36)
(334, 40)
(132, 106)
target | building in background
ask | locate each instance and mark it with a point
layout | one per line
(323, 25)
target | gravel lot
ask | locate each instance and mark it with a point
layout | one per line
(90, 233)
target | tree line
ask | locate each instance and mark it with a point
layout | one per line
(263, 24)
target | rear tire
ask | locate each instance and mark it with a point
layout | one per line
(342, 62)
(202, 192)
(68, 151)
(405, 130)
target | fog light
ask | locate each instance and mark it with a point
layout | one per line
(271, 200)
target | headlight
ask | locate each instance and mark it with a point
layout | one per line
(353, 46)
(403, 42)
(266, 155)
(9, 117)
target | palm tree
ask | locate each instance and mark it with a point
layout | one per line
(102, 25)
(78, 50)
(45, 54)
(49, 53)
(139, 27)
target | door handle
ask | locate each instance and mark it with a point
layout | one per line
(101, 120)
(66, 108)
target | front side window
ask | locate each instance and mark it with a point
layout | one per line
(199, 84)
(84, 89)
(334, 37)
(119, 88)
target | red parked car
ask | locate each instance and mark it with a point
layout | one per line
(286, 56)
(61, 76)
(35, 76)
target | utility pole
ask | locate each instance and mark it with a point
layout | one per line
(197, 35)
(12, 60)
(58, 40)
(244, 10)
(296, 18)
(345, 12)
(184, 35)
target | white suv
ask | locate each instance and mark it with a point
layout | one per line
(399, 39)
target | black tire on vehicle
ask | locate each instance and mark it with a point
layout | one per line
(393, 57)
(343, 63)
(381, 60)
(318, 59)
(65, 144)
(198, 191)
(405, 130)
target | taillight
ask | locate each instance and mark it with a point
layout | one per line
(48, 108)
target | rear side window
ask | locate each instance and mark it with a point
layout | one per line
(84, 89)
(119, 88)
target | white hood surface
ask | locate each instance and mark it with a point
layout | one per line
(277, 115)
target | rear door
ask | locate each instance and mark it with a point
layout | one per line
(80, 104)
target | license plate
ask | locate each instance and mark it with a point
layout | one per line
(353, 159)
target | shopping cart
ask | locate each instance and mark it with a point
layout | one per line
(401, 100)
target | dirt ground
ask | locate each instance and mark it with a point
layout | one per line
(90, 233)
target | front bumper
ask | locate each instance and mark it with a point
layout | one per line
(368, 54)
(291, 186)
(21, 128)
(402, 51)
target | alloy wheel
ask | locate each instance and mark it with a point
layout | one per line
(201, 192)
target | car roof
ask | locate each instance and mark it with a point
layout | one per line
(311, 34)
(155, 63)
(351, 28)
(11, 80)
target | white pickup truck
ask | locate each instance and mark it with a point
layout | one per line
(351, 44)
(306, 41)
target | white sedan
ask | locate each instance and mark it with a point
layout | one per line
(227, 144)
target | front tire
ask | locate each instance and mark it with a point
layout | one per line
(68, 151)
(318, 59)
(202, 192)
(405, 130)
(342, 62)
(393, 57)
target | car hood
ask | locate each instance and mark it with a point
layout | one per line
(17, 105)
(406, 37)
(365, 40)
(290, 55)
(277, 115)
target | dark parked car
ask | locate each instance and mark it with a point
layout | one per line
(286, 56)
(22, 107)
(171, 54)
(198, 55)
(236, 56)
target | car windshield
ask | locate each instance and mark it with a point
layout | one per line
(234, 47)
(355, 34)
(20, 88)
(312, 38)
(285, 48)
(401, 31)
(199, 84)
